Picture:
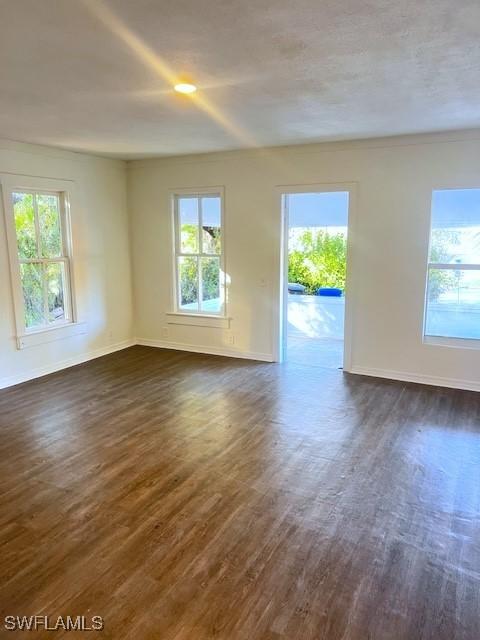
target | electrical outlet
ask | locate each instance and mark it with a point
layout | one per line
(230, 338)
(164, 332)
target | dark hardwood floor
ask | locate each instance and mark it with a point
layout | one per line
(182, 496)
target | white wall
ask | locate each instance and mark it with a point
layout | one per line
(101, 259)
(394, 179)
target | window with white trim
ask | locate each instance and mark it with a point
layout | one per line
(199, 258)
(452, 307)
(40, 255)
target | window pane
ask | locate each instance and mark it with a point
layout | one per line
(453, 306)
(211, 285)
(211, 221)
(455, 236)
(31, 275)
(188, 218)
(55, 274)
(188, 282)
(49, 221)
(23, 212)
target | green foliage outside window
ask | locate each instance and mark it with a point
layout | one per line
(188, 266)
(25, 225)
(318, 261)
(440, 281)
(187, 276)
(42, 284)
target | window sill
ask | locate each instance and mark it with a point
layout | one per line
(456, 343)
(198, 320)
(50, 334)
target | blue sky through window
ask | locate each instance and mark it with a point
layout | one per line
(326, 209)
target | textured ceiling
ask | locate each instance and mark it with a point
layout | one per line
(97, 76)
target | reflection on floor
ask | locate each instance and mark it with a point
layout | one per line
(321, 352)
(315, 330)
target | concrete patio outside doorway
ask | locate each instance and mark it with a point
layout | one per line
(315, 330)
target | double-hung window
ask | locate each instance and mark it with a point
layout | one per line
(453, 284)
(40, 257)
(199, 257)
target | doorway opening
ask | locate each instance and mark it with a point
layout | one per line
(315, 269)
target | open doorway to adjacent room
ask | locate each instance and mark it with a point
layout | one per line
(316, 228)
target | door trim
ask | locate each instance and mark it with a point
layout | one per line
(279, 333)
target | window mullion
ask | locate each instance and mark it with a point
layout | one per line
(200, 283)
(45, 293)
(41, 260)
(197, 257)
(61, 221)
(178, 292)
(37, 225)
(454, 266)
(177, 228)
(67, 295)
(63, 259)
(200, 226)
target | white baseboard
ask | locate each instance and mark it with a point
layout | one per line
(9, 381)
(436, 381)
(453, 383)
(214, 351)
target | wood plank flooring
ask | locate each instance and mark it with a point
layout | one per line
(186, 497)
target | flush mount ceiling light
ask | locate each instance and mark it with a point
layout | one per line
(185, 87)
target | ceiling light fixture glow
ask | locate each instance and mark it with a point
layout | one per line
(185, 87)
